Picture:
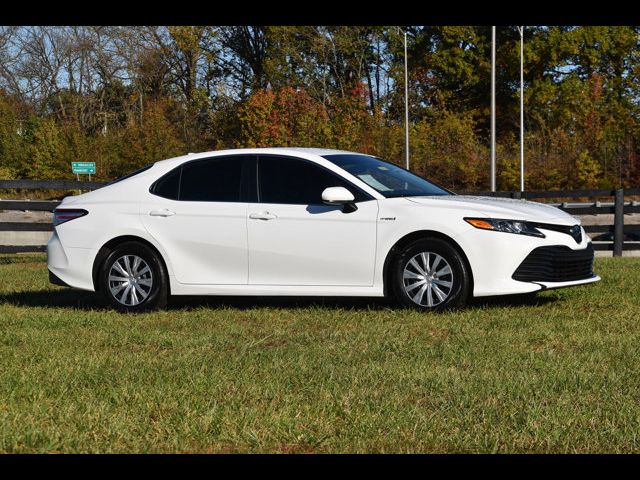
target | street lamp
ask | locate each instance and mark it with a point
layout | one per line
(406, 103)
(521, 30)
(493, 109)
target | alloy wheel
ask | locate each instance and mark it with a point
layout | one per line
(130, 280)
(428, 279)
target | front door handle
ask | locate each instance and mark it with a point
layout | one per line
(161, 213)
(262, 216)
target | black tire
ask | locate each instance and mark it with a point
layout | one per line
(158, 291)
(460, 278)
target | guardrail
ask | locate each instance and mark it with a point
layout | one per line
(619, 207)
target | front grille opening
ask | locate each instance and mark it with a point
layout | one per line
(574, 231)
(556, 264)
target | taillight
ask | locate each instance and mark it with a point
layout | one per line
(61, 215)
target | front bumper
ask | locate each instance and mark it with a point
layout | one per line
(556, 264)
(551, 285)
(495, 256)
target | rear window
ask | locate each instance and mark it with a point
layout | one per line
(140, 170)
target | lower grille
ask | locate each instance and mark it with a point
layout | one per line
(556, 264)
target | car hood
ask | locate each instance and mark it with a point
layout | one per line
(501, 208)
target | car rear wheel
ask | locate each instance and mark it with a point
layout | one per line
(430, 274)
(133, 278)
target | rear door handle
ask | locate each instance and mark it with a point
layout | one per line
(161, 213)
(262, 216)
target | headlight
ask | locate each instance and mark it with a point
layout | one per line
(508, 226)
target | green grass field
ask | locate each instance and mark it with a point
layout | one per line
(559, 373)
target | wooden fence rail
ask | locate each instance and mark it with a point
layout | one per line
(49, 185)
(555, 193)
(617, 206)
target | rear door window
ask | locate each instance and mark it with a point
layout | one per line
(218, 179)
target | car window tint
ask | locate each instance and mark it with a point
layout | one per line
(212, 180)
(388, 179)
(167, 186)
(140, 170)
(298, 182)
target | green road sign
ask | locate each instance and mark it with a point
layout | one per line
(84, 167)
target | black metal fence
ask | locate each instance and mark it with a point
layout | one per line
(616, 205)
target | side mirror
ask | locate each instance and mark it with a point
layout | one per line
(339, 196)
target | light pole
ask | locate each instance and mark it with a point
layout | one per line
(493, 109)
(521, 30)
(406, 103)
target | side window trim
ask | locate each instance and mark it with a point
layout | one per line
(179, 183)
(366, 196)
(250, 179)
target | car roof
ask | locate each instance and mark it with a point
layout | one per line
(273, 151)
(316, 151)
(161, 167)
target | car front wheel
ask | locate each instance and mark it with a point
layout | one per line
(133, 278)
(430, 274)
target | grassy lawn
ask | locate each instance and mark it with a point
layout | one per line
(559, 373)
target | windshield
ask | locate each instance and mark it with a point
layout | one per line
(384, 177)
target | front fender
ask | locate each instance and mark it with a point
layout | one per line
(397, 221)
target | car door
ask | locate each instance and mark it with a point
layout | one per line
(198, 213)
(295, 239)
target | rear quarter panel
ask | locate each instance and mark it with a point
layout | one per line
(114, 211)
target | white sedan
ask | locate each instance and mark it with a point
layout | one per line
(294, 221)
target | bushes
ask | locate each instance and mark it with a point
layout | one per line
(48, 152)
(13, 154)
(445, 145)
(447, 150)
(283, 118)
(143, 141)
(44, 148)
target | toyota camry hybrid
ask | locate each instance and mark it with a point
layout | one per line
(297, 221)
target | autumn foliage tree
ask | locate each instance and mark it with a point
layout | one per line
(127, 96)
(282, 118)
